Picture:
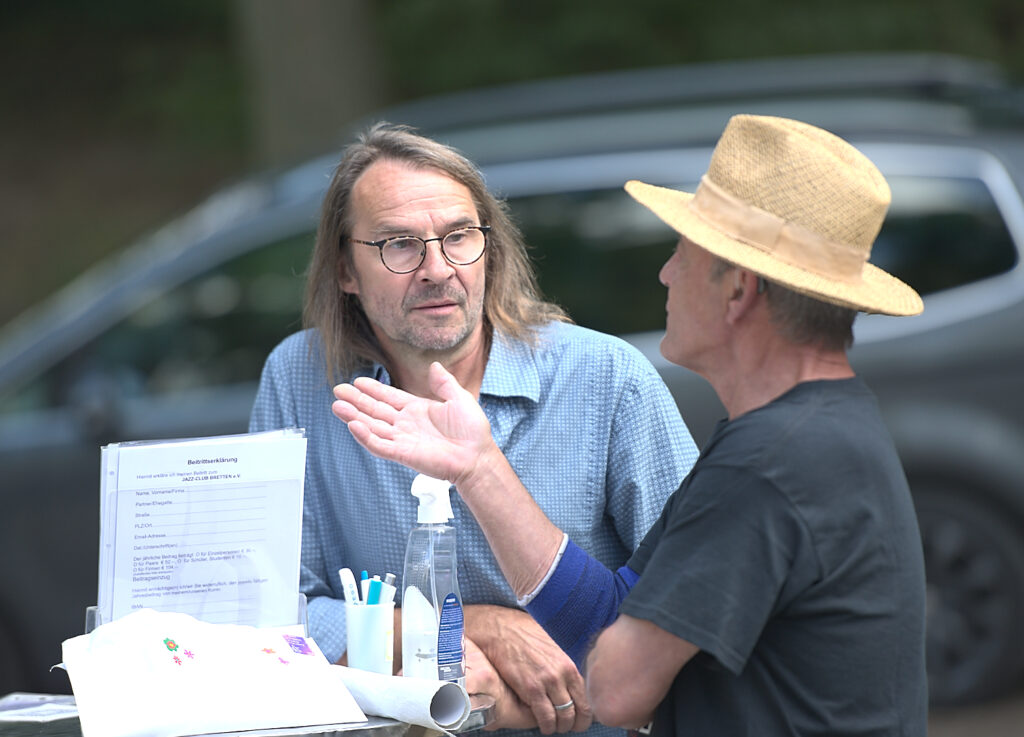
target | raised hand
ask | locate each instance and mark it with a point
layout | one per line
(444, 438)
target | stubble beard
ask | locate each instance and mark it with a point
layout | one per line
(441, 337)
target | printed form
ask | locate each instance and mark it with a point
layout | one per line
(209, 527)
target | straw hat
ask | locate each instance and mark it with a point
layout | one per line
(794, 204)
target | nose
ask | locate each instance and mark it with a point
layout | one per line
(435, 266)
(663, 274)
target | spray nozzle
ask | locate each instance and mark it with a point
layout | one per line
(435, 500)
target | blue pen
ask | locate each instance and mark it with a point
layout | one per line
(373, 597)
(364, 584)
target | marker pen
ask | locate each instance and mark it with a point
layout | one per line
(373, 595)
(364, 583)
(387, 589)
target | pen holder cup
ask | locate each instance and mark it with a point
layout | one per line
(371, 636)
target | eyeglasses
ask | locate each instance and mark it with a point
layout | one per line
(403, 254)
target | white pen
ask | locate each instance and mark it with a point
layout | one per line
(348, 585)
(387, 589)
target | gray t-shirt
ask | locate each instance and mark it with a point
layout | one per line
(791, 557)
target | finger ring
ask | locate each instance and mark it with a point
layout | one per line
(563, 707)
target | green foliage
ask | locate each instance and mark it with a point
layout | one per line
(164, 68)
(443, 46)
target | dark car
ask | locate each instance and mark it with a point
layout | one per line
(167, 339)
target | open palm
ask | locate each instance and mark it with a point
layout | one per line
(442, 438)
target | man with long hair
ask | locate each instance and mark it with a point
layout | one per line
(415, 263)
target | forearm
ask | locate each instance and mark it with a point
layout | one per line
(524, 541)
(580, 599)
(630, 669)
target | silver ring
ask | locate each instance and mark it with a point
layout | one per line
(563, 707)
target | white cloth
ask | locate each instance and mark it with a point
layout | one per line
(164, 674)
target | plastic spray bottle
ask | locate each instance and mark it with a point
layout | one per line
(432, 621)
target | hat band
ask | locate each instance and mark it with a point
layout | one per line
(787, 241)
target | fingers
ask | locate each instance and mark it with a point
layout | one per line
(445, 386)
(368, 401)
(481, 678)
(564, 708)
(583, 714)
(584, 719)
(369, 419)
(557, 698)
(387, 394)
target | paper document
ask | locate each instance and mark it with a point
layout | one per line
(209, 527)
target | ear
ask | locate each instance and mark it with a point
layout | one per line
(744, 295)
(346, 279)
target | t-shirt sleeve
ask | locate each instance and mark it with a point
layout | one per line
(713, 567)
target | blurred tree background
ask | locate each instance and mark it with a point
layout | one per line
(119, 114)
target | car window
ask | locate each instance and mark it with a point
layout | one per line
(213, 330)
(942, 233)
(598, 253)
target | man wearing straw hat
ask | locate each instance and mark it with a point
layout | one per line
(782, 590)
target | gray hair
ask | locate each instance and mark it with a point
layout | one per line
(800, 318)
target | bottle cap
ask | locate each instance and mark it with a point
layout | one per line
(435, 500)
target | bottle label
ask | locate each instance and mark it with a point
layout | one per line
(449, 640)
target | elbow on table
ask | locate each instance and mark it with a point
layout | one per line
(615, 707)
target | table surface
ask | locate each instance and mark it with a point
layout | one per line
(374, 726)
(68, 726)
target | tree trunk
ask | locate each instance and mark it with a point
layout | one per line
(311, 69)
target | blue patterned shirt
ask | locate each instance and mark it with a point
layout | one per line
(583, 418)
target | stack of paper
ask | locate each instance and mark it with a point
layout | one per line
(209, 527)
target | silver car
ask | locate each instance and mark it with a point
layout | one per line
(168, 338)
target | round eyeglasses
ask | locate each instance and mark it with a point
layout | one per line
(403, 254)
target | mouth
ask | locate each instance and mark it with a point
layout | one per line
(442, 307)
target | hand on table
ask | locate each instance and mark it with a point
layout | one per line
(533, 666)
(482, 678)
